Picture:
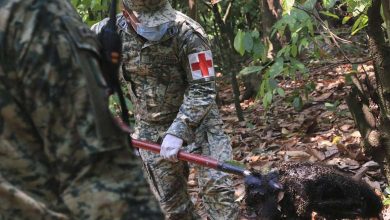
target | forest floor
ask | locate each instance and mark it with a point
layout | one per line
(323, 131)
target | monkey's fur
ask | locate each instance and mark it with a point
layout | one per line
(311, 187)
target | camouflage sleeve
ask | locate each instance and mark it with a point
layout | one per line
(200, 93)
(97, 27)
(63, 87)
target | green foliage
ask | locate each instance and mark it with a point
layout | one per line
(328, 4)
(285, 64)
(297, 25)
(356, 9)
(251, 69)
(92, 11)
(287, 5)
(359, 24)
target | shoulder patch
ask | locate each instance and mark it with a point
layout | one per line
(201, 65)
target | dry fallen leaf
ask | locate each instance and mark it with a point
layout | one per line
(323, 97)
(356, 134)
(294, 154)
(240, 193)
(315, 153)
(344, 163)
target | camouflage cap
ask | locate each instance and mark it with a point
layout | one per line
(151, 13)
(144, 5)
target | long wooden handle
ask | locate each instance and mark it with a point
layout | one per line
(194, 158)
(184, 156)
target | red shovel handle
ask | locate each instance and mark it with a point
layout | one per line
(192, 158)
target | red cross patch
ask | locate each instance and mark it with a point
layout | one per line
(201, 64)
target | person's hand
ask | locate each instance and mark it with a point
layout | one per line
(170, 147)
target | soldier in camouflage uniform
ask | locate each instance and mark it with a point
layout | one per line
(168, 67)
(61, 154)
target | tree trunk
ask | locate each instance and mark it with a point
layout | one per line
(270, 14)
(375, 129)
(227, 43)
(193, 12)
(381, 54)
(386, 13)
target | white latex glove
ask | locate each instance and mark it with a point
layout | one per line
(170, 147)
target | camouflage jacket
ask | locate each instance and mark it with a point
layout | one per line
(36, 67)
(161, 81)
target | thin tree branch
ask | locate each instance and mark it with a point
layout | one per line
(228, 11)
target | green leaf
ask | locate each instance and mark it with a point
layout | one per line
(297, 103)
(287, 51)
(265, 103)
(235, 163)
(294, 50)
(251, 69)
(298, 65)
(332, 106)
(248, 42)
(255, 34)
(309, 4)
(328, 3)
(95, 3)
(309, 26)
(259, 50)
(386, 201)
(303, 44)
(329, 14)
(262, 88)
(250, 125)
(287, 5)
(268, 97)
(362, 24)
(294, 37)
(281, 92)
(273, 84)
(346, 19)
(356, 24)
(329, 105)
(276, 68)
(238, 43)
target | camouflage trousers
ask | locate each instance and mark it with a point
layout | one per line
(169, 180)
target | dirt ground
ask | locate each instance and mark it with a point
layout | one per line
(323, 131)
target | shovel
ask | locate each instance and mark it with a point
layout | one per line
(196, 159)
(200, 160)
(205, 162)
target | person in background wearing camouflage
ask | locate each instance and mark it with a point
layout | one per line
(168, 67)
(61, 154)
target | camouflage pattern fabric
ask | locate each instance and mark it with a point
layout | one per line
(151, 13)
(168, 101)
(144, 5)
(62, 156)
